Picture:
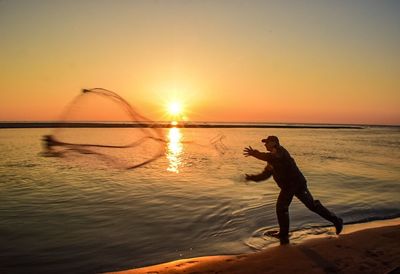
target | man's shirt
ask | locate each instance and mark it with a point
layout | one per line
(282, 167)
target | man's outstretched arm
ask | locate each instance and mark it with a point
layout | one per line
(249, 151)
(266, 174)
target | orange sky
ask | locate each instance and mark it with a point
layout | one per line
(233, 61)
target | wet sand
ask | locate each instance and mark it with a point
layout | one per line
(372, 247)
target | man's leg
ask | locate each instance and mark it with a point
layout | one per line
(282, 212)
(307, 199)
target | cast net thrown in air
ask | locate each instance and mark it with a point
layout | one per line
(132, 143)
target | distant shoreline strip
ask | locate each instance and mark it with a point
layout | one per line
(9, 125)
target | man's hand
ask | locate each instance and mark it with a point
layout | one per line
(249, 151)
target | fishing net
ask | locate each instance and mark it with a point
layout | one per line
(85, 130)
(90, 130)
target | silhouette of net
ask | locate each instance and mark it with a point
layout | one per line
(130, 144)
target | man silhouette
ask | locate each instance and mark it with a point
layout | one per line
(291, 181)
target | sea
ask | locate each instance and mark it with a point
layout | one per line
(76, 214)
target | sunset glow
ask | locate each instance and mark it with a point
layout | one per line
(174, 112)
(175, 149)
(175, 108)
(233, 61)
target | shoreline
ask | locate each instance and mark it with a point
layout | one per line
(370, 247)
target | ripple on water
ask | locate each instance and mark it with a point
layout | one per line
(259, 239)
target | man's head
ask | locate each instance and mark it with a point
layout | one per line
(271, 142)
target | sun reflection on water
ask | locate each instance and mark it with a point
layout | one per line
(174, 150)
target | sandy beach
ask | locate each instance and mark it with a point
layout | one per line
(361, 248)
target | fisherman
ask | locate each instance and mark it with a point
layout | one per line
(282, 167)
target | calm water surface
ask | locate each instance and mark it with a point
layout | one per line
(76, 215)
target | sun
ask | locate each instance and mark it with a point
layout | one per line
(175, 108)
(175, 112)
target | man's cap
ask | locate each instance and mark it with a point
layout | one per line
(273, 139)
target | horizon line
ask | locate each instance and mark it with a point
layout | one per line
(166, 124)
